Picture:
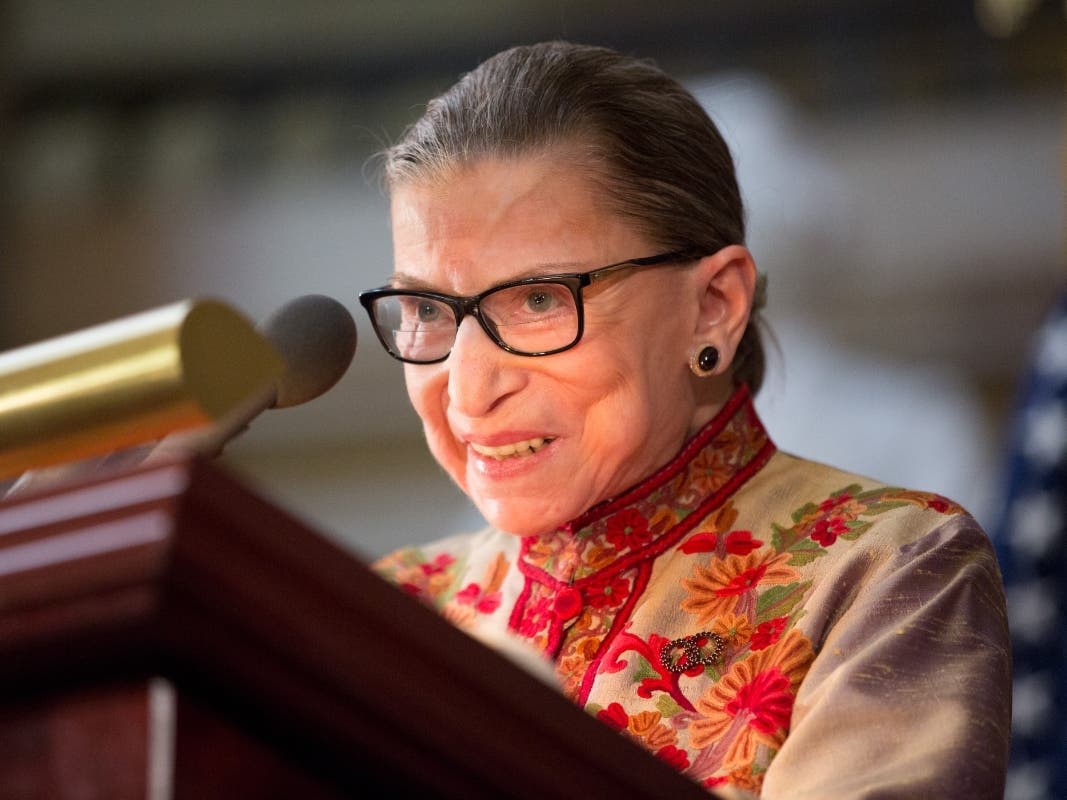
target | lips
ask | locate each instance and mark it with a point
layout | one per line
(519, 449)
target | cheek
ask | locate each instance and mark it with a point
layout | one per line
(427, 391)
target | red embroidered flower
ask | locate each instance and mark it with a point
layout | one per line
(438, 565)
(766, 702)
(700, 543)
(834, 502)
(828, 529)
(567, 603)
(939, 503)
(743, 582)
(741, 543)
(608, 592)
(628, 528)
(674, 756)
(614, 716)
(767, 633)
(538, 614)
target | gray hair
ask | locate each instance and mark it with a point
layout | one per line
(655, 152)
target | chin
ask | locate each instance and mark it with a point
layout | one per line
(519, 522)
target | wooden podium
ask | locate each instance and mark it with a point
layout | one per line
(165, 633)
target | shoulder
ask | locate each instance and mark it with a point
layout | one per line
(823, 504)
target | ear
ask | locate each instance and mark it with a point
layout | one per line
(726, 284)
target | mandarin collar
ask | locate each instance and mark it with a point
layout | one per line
(638, 524)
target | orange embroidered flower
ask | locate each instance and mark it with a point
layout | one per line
(714, 589)
(753, 702)
(735, 629)
(598, 556)
(648, 727)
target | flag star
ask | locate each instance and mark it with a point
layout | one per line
(1045, 432)
(1031, 703)
(1031, 611)
(1052, 354)
(1036, 523)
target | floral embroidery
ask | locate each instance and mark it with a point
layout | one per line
(716, 589)
(607, 591)
(628, 529)
(767, 633)
(475, 598)
(735, 629)
(753, 701)
(429, 580)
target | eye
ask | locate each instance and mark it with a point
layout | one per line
(540, 300)
(428, 311)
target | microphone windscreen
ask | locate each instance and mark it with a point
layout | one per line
(316, 336)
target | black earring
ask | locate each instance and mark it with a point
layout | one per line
(705, 361)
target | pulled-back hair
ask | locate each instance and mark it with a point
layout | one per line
(657, 156)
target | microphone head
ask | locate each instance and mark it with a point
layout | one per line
(316, 337)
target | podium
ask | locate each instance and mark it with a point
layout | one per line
(166, 633)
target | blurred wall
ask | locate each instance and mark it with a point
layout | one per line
(900, 162)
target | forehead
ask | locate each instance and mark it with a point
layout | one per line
(495, 220)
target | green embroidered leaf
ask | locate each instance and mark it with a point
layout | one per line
(779, 601)
(856, 529)
(642, 669)
(805, 511)
(666, 706)
(777, 533)
(804, 552)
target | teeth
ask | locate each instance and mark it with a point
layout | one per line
(524, 448)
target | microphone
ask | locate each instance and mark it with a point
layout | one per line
(192, 374)
(316, 338)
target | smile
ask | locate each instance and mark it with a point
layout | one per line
(513, 450)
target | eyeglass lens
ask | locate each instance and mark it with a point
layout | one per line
(529, 318)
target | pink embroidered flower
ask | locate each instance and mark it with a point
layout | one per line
(483, 603)
(608, 592)
(827, 530)
(438, 565)
(741, 543)
(767, 633)
(628, 528)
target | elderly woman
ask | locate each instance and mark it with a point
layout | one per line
(577, 315)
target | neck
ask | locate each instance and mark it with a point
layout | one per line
(711, 395)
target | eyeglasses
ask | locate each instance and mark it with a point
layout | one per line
(528, 317)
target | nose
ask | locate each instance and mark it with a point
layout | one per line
(481, 375)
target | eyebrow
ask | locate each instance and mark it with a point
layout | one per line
(402, 280)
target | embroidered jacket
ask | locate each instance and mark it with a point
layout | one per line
(759, 621)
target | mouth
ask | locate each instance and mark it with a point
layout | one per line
(527, 447)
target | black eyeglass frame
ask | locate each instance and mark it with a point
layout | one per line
(464, 306)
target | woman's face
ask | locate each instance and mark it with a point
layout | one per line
(606, 413)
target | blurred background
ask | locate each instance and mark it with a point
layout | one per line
(902, 163)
